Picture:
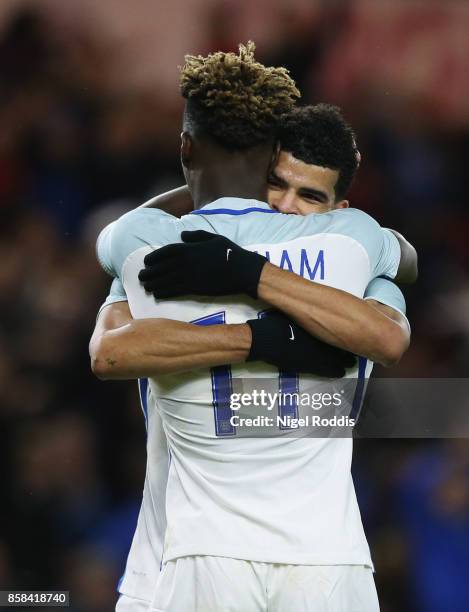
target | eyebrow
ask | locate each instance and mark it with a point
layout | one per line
(316, 194)
(274, 176)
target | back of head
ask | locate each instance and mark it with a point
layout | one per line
(319, 135)
(233, 99)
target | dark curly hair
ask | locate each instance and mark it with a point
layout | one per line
(320, 135)
(233, 98)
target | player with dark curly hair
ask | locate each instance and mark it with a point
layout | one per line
(319, 136)
(254, 521)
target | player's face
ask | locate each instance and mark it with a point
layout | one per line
(298, 188)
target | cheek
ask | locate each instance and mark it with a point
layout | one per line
(307, 209)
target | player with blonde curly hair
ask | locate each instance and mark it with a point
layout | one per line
(234, 99)
(233, 106)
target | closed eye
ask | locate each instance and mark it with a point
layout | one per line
(314, 196)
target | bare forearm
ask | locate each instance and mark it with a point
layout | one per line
(148, 347)
(332, 315)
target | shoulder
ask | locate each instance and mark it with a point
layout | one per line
(348, 221)
(351, 223)
(130, 232)
(141, 226)
(140, 219)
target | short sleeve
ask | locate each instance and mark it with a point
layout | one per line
(384, 291)
(116, 294)
(104, 251)
(389, 257)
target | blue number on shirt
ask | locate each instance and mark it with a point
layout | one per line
(222, 386)
(288, 386)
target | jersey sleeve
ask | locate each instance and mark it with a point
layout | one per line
(103, 249)
(384, 291)
(389, 257)
(116, 294)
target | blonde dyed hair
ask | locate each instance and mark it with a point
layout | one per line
(234, 98)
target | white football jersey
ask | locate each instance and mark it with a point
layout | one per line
(279, 499)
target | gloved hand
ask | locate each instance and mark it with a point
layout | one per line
(281, 342)
(204, 264)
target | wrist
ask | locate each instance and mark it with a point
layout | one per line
(240, 339)
(249, 267)
(244, 337)
(266, 286)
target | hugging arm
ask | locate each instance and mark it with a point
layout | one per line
(177, 202)
(337, 317)
(124, 348)
(208, 264)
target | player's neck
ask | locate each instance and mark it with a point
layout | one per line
(203, 196)
(236, 179)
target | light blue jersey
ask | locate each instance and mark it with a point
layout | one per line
(250, 223)
(279, 499)
(384, 291)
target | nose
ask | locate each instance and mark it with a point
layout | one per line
(285, 203)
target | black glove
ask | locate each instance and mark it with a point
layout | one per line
(281, 342)
(205, 264)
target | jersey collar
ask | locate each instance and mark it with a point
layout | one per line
(233, 206)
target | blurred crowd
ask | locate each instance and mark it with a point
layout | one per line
(74, 155)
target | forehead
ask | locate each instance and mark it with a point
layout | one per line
(298, 174)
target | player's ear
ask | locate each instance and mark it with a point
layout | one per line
(274, 158)
(186, 149)
(342, 204)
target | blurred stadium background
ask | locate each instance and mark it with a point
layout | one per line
(89, 116)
